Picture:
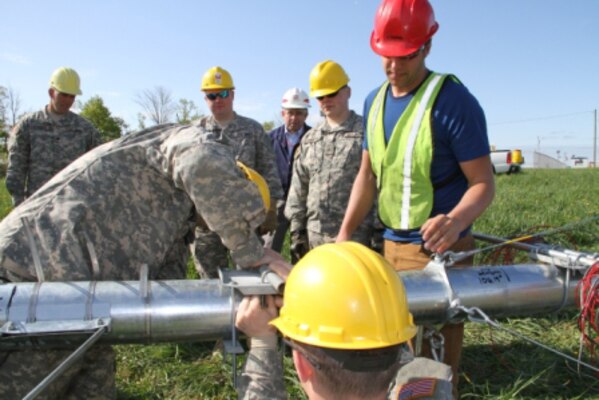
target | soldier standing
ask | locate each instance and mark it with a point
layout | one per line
(325, 165)
(250, 145)
(44, 142)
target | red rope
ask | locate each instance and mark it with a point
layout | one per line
(587, 297)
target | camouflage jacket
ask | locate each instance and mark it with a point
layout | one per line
(127, 203)
(40, 145)
(250, 145)
(325, 166)
(421, 378)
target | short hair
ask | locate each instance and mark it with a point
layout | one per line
(363, 373)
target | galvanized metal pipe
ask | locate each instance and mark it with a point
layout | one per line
(558, 256)
(200, 310)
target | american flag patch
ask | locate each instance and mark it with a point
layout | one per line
(415, 390)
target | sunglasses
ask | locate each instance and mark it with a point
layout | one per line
(223, 94)
(413, 55)
(330, 95)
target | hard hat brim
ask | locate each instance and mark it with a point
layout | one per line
(324, 92)
(397, 47)
(393, 48)
(76, 93)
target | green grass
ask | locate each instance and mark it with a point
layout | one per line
(495, 365)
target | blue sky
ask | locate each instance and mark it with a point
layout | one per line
(533, 65)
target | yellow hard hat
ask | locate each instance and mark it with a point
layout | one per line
(345, 296)
(217, 78)
(66, 80)
(255, 177)
(327, 77)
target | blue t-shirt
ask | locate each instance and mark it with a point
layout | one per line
(459, 134)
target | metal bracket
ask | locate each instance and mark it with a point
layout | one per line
(12, 328)
(96, 334)
(255, 282)
(262, 281)
(437, 266)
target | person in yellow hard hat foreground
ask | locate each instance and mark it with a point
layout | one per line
(44, 142)
(425, 156)
(345, 316)
(249, 144)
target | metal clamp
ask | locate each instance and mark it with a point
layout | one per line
(255, 282)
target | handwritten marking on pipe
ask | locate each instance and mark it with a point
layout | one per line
(491, 276)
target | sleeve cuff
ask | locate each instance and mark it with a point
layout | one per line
(251, 252)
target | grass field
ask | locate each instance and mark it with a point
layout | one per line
(495, 364)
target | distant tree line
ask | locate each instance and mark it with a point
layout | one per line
(157, 104)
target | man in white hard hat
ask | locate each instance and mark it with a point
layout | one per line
(44, 142)
(285, 139)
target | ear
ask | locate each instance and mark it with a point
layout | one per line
(283, 113)
(51, 92)
(305, 370)
(427, 48)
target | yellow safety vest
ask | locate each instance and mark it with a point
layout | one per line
(402, 166)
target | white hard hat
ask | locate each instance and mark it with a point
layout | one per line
(295, 98)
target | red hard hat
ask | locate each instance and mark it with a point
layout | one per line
(402, 26)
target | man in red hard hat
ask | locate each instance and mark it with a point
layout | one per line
(425, 153)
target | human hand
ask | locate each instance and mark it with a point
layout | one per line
(299, 245)
(253, 315)
(275, 262)
(342, 237)
(440, 233)
(270, 222)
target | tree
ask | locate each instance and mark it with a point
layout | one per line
(187, 111)
(3, 98)
(13, 106)
(268, 125)
(141, 121)
(157, 104)
(3, 127)
(98, 114)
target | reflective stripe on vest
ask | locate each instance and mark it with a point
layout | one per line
(403, 165)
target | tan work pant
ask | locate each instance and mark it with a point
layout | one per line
(407, 256)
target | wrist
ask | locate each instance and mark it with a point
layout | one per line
(264, 342)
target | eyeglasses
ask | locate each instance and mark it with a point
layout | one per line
(330, 95)
(413, 55)
(223, 94)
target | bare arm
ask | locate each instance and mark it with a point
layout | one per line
(442, 231)
(360, 200)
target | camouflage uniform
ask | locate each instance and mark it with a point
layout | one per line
(421, 378)
(325, 166)
(130, 202)
(251, 146)
(42, 144)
